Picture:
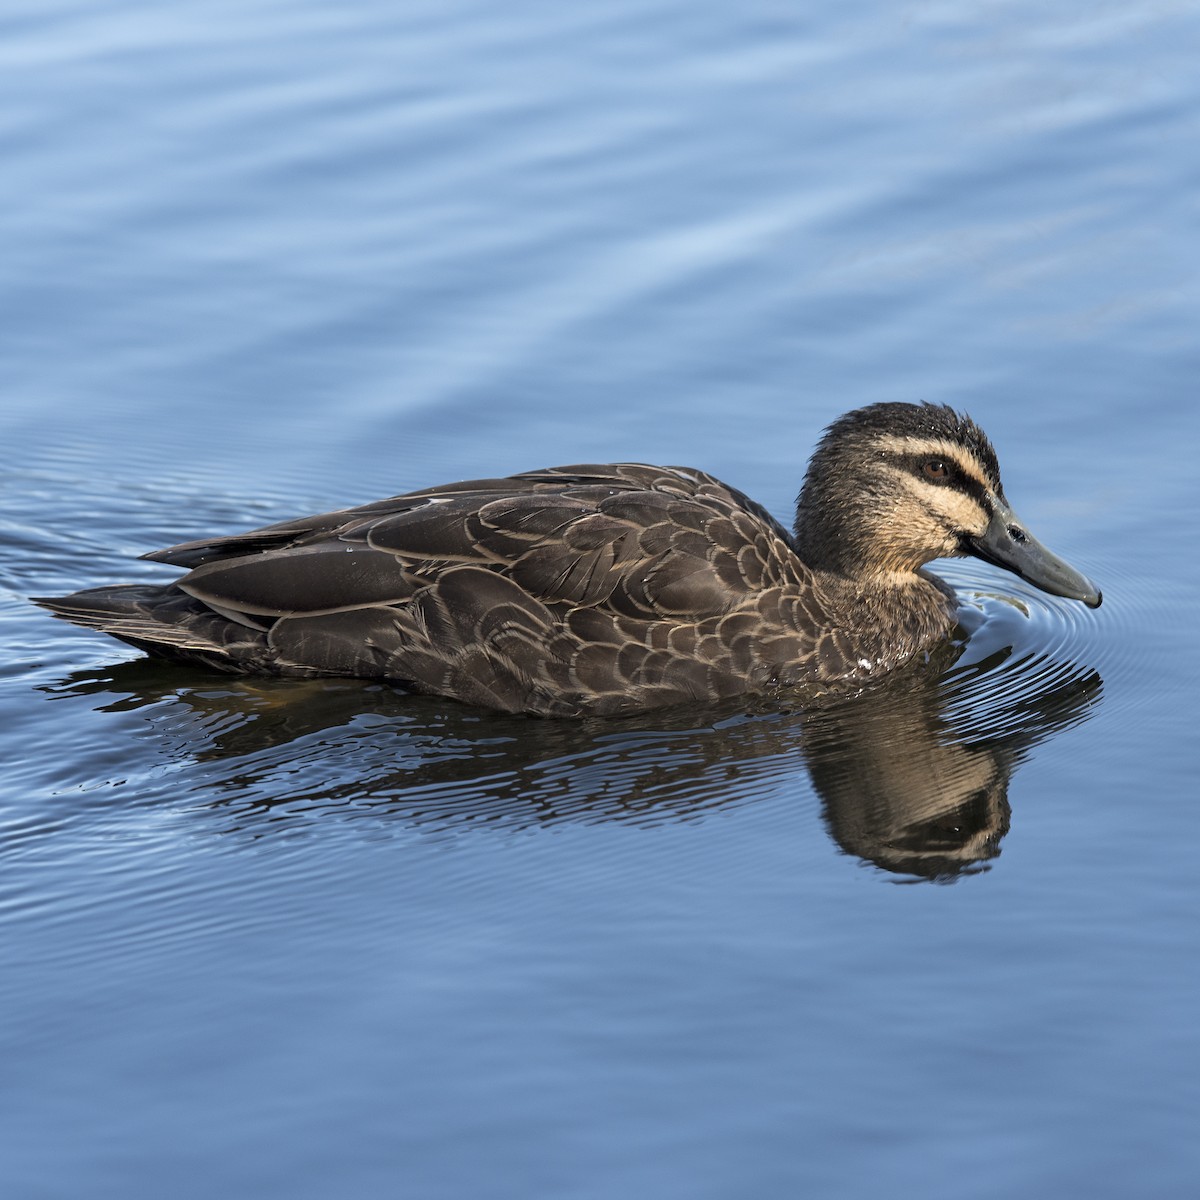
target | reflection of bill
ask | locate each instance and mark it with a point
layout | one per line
(913, 774)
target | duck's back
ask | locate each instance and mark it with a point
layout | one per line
(581, 589)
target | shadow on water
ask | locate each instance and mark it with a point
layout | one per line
(912, 774)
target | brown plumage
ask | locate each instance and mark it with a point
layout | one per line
(603, 589)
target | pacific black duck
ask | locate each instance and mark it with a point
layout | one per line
(605, 589)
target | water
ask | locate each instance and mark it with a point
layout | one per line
(287, 939)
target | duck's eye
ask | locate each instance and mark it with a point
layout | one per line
(935, 468)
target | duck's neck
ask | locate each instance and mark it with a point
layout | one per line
(838, 549)
(870, 587)
(890, 617)
(858, 567)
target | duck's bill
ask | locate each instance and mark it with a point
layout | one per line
(1007, 543)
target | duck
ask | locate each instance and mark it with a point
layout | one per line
(602, 590)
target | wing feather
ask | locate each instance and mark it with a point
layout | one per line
(327, 577)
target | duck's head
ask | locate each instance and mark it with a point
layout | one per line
(894, 486)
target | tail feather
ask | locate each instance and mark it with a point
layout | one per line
(160, 619)
(147, 613)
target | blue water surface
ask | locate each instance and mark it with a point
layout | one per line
(308, 939)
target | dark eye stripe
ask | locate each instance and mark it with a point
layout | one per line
(956, 478)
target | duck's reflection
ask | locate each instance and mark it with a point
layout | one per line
(913, 775)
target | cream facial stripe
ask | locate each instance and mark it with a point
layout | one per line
(974, 475)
